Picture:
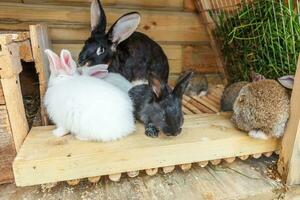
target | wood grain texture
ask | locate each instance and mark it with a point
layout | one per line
(200, 58)
(159, 25)
(7, 148)
(40, 41)
(212, 135)
(149, 4)
(10, 67)
(289, 159)
(2, 100)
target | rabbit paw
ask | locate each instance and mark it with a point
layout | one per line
(59, 132)
(258, 134)
(151, 131)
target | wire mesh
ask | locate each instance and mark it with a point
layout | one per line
(255, 35)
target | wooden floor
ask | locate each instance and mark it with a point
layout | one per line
(250, 179)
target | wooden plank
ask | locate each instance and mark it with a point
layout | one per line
(289, 158)
(198, 105)
(7, 148)
(159, 25)
(149, 4)
(239, 180)
(204, 5)
(40, 41)
(10, 67)
(200, 58)
(189, 5)
(15, 109)
(2, 100)
(45, 158)
(173, 52)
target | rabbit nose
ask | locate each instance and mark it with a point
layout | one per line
(173, 133)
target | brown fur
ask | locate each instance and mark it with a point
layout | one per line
(229, 95)
(262, 105)
(197, 85)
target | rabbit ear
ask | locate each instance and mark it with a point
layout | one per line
(256, 76)
(67, 62)
(287, 81)
(124, 27)
(155, 85)
(182, 84)
(98, 18)
(54, 61)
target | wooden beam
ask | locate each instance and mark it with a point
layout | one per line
(10, 67)
(289, 159)
(40, 41)
(2, 100)
(45, 158)
(165, 26)
(149, 4)
(203, 6)
(7, 148)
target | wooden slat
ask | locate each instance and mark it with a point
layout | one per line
(44, 158)
(173, 52)
(149, 4)
(2, 100)
(7, 148)
(159, 25)
(289, 158)
(200, 106)
(10, 67)
(200, 58)
(40, 41)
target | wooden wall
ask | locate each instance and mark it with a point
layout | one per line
(173, 23)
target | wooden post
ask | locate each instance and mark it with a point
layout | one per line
(10, 67)
(202, 7)
(40, 41)
(289, 158)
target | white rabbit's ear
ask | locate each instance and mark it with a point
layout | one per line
(287, 81)
(124, 27)
(54, 61)
(67, 62)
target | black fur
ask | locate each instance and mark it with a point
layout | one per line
(160, 110)
(134, 58)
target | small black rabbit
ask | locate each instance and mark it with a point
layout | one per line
(158, 107)
(132, 54)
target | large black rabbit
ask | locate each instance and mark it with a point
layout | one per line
(158, 107)
(132, 54)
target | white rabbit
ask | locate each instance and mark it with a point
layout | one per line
(88, 107)
(100, 71)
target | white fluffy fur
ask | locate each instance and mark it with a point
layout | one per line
(258, 134)
(88, 107)
(118, 81)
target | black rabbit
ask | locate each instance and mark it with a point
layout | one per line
(132, 54)
(158, 107)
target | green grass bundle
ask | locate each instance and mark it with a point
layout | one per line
(263, 36)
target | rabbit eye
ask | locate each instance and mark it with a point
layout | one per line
(100, 50)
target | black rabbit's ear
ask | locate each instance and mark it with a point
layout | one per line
(155, 85)
(98, 18)
(124, 27)
(182, 84)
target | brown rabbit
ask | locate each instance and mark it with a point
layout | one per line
(262, 108)
(232, 91)
(198, 85)
(229, 95)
